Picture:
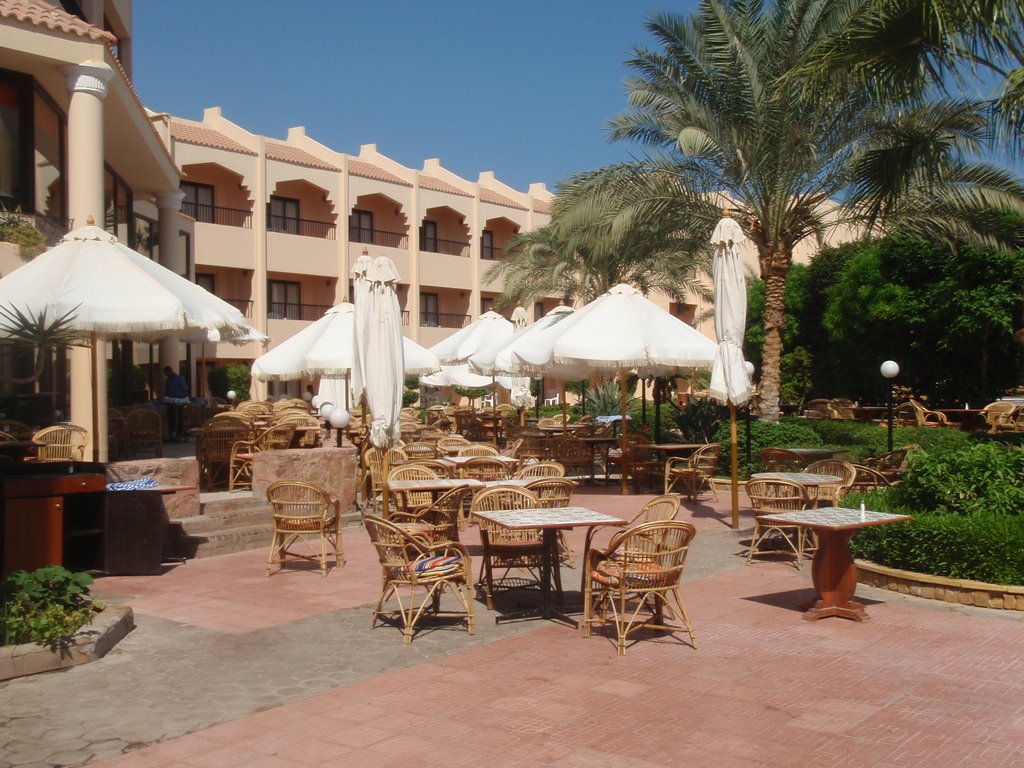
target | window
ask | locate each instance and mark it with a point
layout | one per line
(145, 238)
(207, 281)
(538, 311)
(283, 300)
(486, 304)
(487, 245)
(283, 215)
(360, 227)
(428, 236)
(198, 201)
(428, 310)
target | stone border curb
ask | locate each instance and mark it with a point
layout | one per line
(90, 643)
(960, 591)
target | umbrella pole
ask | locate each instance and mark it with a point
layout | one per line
(494, 411)
(735, 467)
(622, 433)
(95, 401)
(561, 401)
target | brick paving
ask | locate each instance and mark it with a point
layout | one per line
(228, 667)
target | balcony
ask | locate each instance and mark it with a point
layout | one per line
(443, 320)
(279, 310)
(242, 305)
(323, 230)
(448, 247)
(212, 214)
(378, 237)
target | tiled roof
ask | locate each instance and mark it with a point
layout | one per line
(44, 14)
(289, 154)
(429, 182)
(490, 196)
(371, 171)
(191, 133)
(541, 206)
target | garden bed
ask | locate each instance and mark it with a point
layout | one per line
(959, 591)
(91, 642)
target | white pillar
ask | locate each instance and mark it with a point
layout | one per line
(169, 205)
(87, 83)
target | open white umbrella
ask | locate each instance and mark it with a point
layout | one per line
(462, 376)
(730, 382)
(379, 354)
(619, 331)
(486, 330)
(108, 291)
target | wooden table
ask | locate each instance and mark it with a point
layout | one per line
(815, 454)
(809, 480)
(17, 450)
(833, 571)
(549, 521)
(440, 485)
(456, 462)
(606, 442)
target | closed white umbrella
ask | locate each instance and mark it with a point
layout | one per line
(108, 291)
(382, 360)
(730, 382)
(619, 331)
(361, 299)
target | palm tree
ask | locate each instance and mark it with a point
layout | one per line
(725, 123)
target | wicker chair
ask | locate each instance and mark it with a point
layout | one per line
(145, 432)
(541, 469)
(868, 479)
(244, 452)
(695, 474)
(780, 460)
(311, 432)
(533, 445)
(421, 451)
(406, 501)
(507, 549)
(844, 470)
(769, 497)
(213, 448)
(556, 492)
(892, 465)
(416, 574)
(376, 465)
(1000, 416)
(16, 429)
(636, 581)
(574, 454)
(484, 468)
(437, 521)
(304, 515)
(62, 442)
(452, 444)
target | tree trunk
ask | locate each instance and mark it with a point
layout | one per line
(774, 270)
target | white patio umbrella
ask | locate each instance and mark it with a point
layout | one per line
(619, 331)
(730, 382)
(361, 300)
(462, 376)
(108, 291)
(379, 354)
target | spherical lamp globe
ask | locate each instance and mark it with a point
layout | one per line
(890, 369)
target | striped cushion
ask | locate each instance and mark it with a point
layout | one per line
(640, 575)
(438, 565)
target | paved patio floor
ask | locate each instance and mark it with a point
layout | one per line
(228, 667)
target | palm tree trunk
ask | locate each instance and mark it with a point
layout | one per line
(774, 323)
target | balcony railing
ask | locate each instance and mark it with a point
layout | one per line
(305, 227)
(378, 237)
(450, 247)
(443, 320)
(279, 310)
(405, 317)
(212, 214)
(242, 305)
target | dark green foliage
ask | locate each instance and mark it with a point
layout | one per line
(473, 393)
(45, 605)
(864, 440)
(410, 390)
(967, 506)
(699, 419)
(787, 433)
(233, 376)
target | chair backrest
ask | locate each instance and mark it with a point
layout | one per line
(651, 555)
(219, 435)
(144, 423)
(511, 448)
(705, 458)
(295, 499)
(484, 468)
(16, 429)
(841, 408)
(445, 514)
(533, 445)
(421, 451)
(780, 460)
(541, 469)
(868, 479)
(658, 509)
(62, 442)
(1000, 415)
(452, 442)
(775, 495)
(393, 546)
(413, 472)
(549, 421)
(478, 449)
(553, 491)
(275, 438)
(504, 497)
(570, 450)
(815, 409)
(844, 470)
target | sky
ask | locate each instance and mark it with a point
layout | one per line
(524, 89)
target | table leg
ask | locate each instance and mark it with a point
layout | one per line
(549, 562)
(835, 578)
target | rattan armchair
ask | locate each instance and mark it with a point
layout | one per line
(695, 474)
(484, 468)
(439, 520)
(19, 430)
(541, 469)
(213, 448)
(868, 479)
(780, 460)
(833, 493)
(406, 501)
(478, 449)
(556, 492)
(145, 428)
(244, 452)
(417, 574)
(305, 516)
(769, 497)
(573, 454)
(505, 549)
(635, 581)
(62, 442)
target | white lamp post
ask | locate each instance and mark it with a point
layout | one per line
(339, 420)
(232, 396)
(890, 370)
(749, 367)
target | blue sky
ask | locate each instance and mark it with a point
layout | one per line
(524, 89)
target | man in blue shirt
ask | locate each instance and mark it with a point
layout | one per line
(175, 393)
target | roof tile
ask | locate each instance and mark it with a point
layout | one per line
(193, 133)
(490, 196)
(289, 154)
(371, 171)
(429, 182)
(43, 14)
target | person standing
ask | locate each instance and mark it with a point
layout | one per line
(175, 396)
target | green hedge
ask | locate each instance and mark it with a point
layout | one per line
(967, 505)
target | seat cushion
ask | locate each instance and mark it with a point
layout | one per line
(640, 575)
(438, 565)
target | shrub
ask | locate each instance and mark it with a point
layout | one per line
(787, 433)
(19, 230)
(234, 376)
(44, 606)
(699, 419)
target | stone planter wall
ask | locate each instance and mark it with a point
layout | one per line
(91, 642)
(331, 468)
(169, 472)
(960, 591)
